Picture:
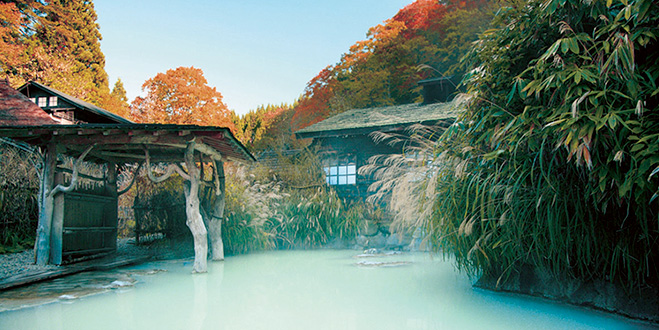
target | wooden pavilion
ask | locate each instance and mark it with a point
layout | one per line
(75, 222)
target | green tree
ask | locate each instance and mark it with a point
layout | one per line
(60, 47)
(384, 69)
(553, 161)
(258, 129)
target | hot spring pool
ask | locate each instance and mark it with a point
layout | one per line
(323, 289)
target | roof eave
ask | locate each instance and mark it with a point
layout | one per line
(445, 122)
(83, 104)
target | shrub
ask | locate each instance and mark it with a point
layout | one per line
(557, 150)
(286, 206)
(19, 190)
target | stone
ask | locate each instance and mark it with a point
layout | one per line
(594, 293)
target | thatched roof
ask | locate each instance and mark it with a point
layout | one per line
(364, 121)
(18, 110)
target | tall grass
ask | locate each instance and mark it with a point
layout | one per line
(497, 219)
(286, 206)
(557, 146)
(19, 189)
(497, 216)
(405, 183)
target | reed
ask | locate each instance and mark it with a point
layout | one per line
(19, 188)
(286, 206)
(551, 165)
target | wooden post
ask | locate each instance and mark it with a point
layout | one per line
(111, 190)
(42, 244)
(111, 180)
(137, 214)
(56, 231)
(194, 219)
(217, 214)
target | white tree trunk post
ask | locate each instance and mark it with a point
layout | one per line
(217, 213)
(194, 219)
(42, 244)
(49, 242)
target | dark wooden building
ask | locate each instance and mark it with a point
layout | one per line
(16, 109)
(66, 109)
(345, 140)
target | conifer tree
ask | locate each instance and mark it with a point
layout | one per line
(116, 101)
(119, 92)
(60, 42)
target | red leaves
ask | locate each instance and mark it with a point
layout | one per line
(384, 68)
(421, 15)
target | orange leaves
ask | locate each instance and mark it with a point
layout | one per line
(181, 96)
(383, 69)
(9, 29)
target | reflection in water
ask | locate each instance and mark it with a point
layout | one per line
(200, 301)
(68, 288)
(292, 290)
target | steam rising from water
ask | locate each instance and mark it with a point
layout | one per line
(305, 290)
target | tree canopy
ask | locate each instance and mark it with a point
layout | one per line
(557, 151)
(384, 69)
(56, 43)
(181, 96)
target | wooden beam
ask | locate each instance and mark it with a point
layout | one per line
(84, 176)
(121, 155)
(74, 177)
(208, 150)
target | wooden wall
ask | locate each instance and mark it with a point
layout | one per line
(84, 221)
(362, 147)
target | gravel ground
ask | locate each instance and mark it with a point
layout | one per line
(23, 262)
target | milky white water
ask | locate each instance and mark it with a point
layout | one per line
(299, 290)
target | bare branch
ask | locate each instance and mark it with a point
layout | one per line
(74, 177)
(149, 173)
(181, 171)
(125, 190)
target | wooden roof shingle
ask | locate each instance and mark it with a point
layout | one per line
(364, 121)
(18, 110)
(78, 102)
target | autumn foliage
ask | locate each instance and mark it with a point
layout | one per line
(181, 96)
(384, 69)
(9, 23)
(56, 43)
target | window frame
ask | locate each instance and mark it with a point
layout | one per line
(340, 171)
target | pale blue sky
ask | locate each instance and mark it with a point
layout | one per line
(254, 52)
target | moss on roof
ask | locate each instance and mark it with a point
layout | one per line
(382, 118)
